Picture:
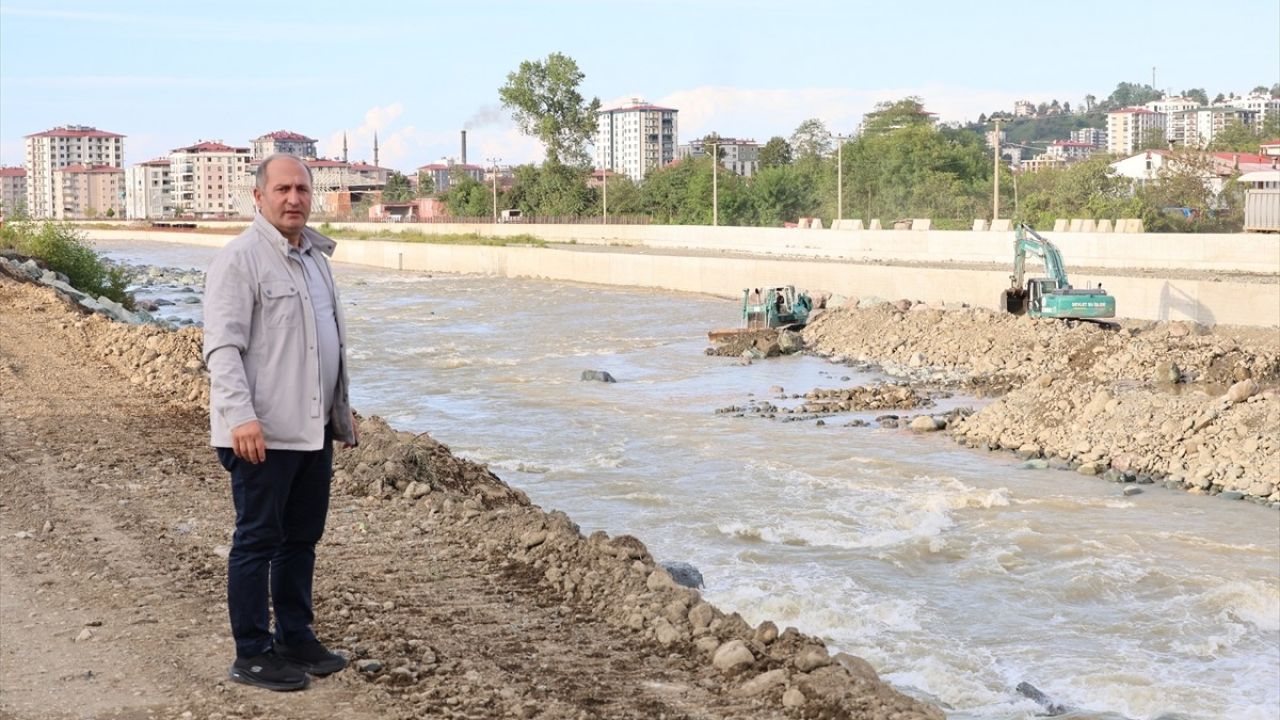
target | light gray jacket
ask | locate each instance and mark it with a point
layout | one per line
(260, 343)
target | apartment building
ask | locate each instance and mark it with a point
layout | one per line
(284, 141)
(1263, 105)
(635, 139)
(1129, 127)
(1171, 104)
(61, 147)
(737, 156)
(205, 177)
(441, 173)
(148, 191)
(85, 192)
(1096, 137)
(1070, 151)
(1024, 108)
(13, 191)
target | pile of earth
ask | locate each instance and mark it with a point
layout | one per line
(1195, 407)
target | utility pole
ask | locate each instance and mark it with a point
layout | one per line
(715, 189)
(604, 176)
(495, 161)
(995, 191)
(839, 178)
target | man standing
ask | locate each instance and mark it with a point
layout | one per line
(275, 345)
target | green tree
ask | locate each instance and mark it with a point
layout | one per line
(624, 197)
(426, 184)
(775, 153)
(468, 197)
(552, 190)
(397, 189)
(1259, 90)
(783, 193)
(811, 139)
(1130, 95)
(1275, 90)
(1089, 188)
(545, 103)
(111, 212)
(898, 114)
(1235, 137)
(1154, 138)
(1197, 94)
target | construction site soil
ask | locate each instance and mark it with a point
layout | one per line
(455, 597)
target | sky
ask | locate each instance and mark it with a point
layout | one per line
(168, 75)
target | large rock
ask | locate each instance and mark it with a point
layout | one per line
(684, 574)
(598, 375)
(926, 423)
(732, 656)
(1242, 391)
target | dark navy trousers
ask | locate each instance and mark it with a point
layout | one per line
(281, 504)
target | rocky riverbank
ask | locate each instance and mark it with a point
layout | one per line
(456, 596)
(1172, 402)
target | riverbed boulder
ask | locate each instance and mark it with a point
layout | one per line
(598, 376)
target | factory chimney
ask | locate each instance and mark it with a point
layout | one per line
(464, 147)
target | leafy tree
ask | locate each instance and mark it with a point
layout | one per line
(397, 189)
(783, 193)
(426, 184)
(1275, 90)
(111, 212)
(1089, 188)
(624, 197)
(1197, 94)
(1259, 90)
(893, 115)
(65, 250)
(1089, 102)
(545, 103)
(1154, 139)
(553, 189)
(1131, 95)
(468, 197)
(775, 153)
(1219, 98)
(811, 139)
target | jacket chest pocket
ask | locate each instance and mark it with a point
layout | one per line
(280, 306)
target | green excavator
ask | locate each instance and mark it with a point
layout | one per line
(1053, 296)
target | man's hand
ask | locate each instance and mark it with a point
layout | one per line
(247, 442)
(355, 432)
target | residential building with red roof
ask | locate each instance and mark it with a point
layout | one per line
(635, 139)
(284, 141)
(13, 190)
(148, 192)
(60, 147)
(205, 177)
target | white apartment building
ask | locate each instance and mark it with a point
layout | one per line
(86, 192)
(737, 156)
(1171, 104)
(1024, 108)
(635, 139)
(13, 190)
(1096, 137)
(1263, 105)
(148, 190)
(1128, 127)
(284, 141)
(205, 177)
(1070, 151)
(60, 147)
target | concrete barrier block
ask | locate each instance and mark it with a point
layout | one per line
(1074, 225)
(1105, 226)
(815, 224)
(1001, 225)
(803, 223)
(1088, 225)
(875, 224)
(980, 225)
(1135, 225)
(855, 224)
(1060, 225)
(922, 224)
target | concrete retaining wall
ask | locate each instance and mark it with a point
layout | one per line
(1232, 303)
(1222, 252)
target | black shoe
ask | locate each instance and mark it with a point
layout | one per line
(312, 657)
(268, 671)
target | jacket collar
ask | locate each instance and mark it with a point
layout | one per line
(281, 243)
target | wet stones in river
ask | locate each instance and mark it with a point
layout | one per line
(684, 574)
(1031, 692)
(598, 376)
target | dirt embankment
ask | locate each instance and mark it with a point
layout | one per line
(1171, 402)
(456, 597)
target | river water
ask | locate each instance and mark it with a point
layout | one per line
(958, 574)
